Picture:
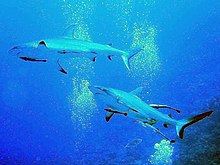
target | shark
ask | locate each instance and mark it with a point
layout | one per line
(129, 104)
(70, 47)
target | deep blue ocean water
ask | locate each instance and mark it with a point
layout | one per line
(50, 118)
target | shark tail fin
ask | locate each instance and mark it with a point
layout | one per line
(182, 124)
(126, 57)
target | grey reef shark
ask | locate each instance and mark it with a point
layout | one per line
(69, 47)
(129, 104)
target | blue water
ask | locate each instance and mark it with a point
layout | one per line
(41, 124)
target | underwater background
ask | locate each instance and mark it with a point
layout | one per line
(50, 118)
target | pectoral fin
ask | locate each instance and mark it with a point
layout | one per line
(156, 131)
(61, 69)
(93, 58)
(158, 106)
(115, 111)
(110, 57)
(108, 116)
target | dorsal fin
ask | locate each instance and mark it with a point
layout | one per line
(69, 31)
(109, 44)
(137, 91)
(42, 44)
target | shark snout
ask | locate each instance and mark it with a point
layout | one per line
(107, 91)
(95, 88)
(16, 50)
(100, 88)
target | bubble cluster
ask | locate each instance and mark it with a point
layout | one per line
(121, 11)
(146, 64)
(82, 103)
(124, 13)
(78, 11)
(80, 68)
(163, 153)
(81, 32)
(83, 107)
(138, 31)
(81, 98)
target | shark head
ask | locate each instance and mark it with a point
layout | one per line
(19, 50)
(110, 91)
(28, 52)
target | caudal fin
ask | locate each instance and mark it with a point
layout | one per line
(126, 57)
(187, 122)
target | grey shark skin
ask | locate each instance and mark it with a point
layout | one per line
(136, 108)
(72, 48)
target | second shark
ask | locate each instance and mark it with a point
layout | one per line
(129, 104)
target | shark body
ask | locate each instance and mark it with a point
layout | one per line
(129, 104)
(66, 47)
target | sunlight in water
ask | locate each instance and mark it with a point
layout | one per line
(146, 64)
(163, 153)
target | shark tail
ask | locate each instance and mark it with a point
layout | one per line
(126, 57)
(182, 124)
